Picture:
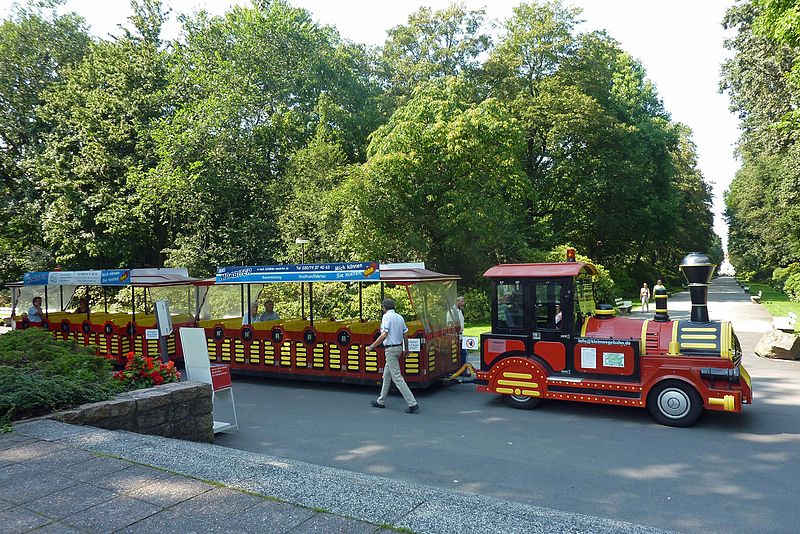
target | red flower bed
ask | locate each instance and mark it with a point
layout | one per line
(144, 372)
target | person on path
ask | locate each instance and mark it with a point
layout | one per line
(460, 318)
(659, 285)
(395, 343)
(644, 295)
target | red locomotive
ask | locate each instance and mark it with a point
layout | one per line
(550, 341)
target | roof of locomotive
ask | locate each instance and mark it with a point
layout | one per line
(539, 270)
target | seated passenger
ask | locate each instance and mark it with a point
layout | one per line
(251, 316)
(83, 306)
(269, 312)
(35, 314)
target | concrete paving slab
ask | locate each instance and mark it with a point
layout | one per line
(333, 524)
(15, 471)
(34, 487)
(68, 501)
(59, 459)
(57, 528)
(20, 519)
(111, 515)
(130, 479)
(169, 522)
(29, 451)
(217, 502)
(8, 441)
(267, 517)
(167, 492)
(96, 467)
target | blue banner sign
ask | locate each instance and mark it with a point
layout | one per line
(110, 277)
(310, 272)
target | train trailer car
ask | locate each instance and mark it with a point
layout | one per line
(333, 350)
(550, 341)
(114, 329)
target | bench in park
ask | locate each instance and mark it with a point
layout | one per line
(624, 306)
(785, 324)
(756, 298)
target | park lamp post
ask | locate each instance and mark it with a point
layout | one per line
(302, 242)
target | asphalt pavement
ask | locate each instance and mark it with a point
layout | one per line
(729, 472)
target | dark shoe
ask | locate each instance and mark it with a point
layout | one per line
(377, 404)
(411, 409)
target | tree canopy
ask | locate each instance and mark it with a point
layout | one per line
(450, 144)
(762, 78)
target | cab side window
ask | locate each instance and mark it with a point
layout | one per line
(547, 306)
(509, 304)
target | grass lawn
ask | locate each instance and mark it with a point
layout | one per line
(776, 302)
(476, 329)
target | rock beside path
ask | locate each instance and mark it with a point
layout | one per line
(777, 344)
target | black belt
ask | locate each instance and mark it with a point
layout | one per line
(390, 346)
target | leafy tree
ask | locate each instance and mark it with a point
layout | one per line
(442, 184)
(434, 44)
(249, 90)
(37, 47)
(101, 146)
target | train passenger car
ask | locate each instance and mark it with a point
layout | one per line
(550, 341)
(334, 350)
(114, 329)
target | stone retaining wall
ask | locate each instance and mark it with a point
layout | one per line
(179, 410)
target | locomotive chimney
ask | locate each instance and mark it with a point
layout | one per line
(697, 268)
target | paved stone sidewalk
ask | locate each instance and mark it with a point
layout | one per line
(51, 487)
(64, 478)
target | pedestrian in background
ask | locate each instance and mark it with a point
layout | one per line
(460, 317)
(395, 343)
(644, 295)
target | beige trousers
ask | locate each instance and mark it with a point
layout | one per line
(391, 372)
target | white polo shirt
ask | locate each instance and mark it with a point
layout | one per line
(395, 326)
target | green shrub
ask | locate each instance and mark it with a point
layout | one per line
(605, 288)
(782, 274)
(39, 374)
(792, 287)
(477, 306)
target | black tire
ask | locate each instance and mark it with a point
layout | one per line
(522, 402)
(674, 403)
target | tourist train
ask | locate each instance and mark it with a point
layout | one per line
(548, 339)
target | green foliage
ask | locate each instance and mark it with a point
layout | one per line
(477, 306)
(781, 274)
(761, 204)
(260, 126)
(434, 44)
(792, 287)
(38, 374)
(605, 288)
(37, 47)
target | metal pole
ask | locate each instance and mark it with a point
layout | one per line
(87, 304)
(302, 285)
(46, 305)
(249, 319)
(311, 302)
(241, 299)
(360, 303)
(61, 296)
(105, 299)
(133, 302)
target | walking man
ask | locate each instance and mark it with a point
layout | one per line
(395, 342)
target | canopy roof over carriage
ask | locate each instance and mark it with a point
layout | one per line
(107, 277)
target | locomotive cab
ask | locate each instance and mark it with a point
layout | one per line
(550, 340)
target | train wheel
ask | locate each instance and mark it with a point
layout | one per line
(522, 402)
(674, 403)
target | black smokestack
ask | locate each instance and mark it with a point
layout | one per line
(697, 268)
